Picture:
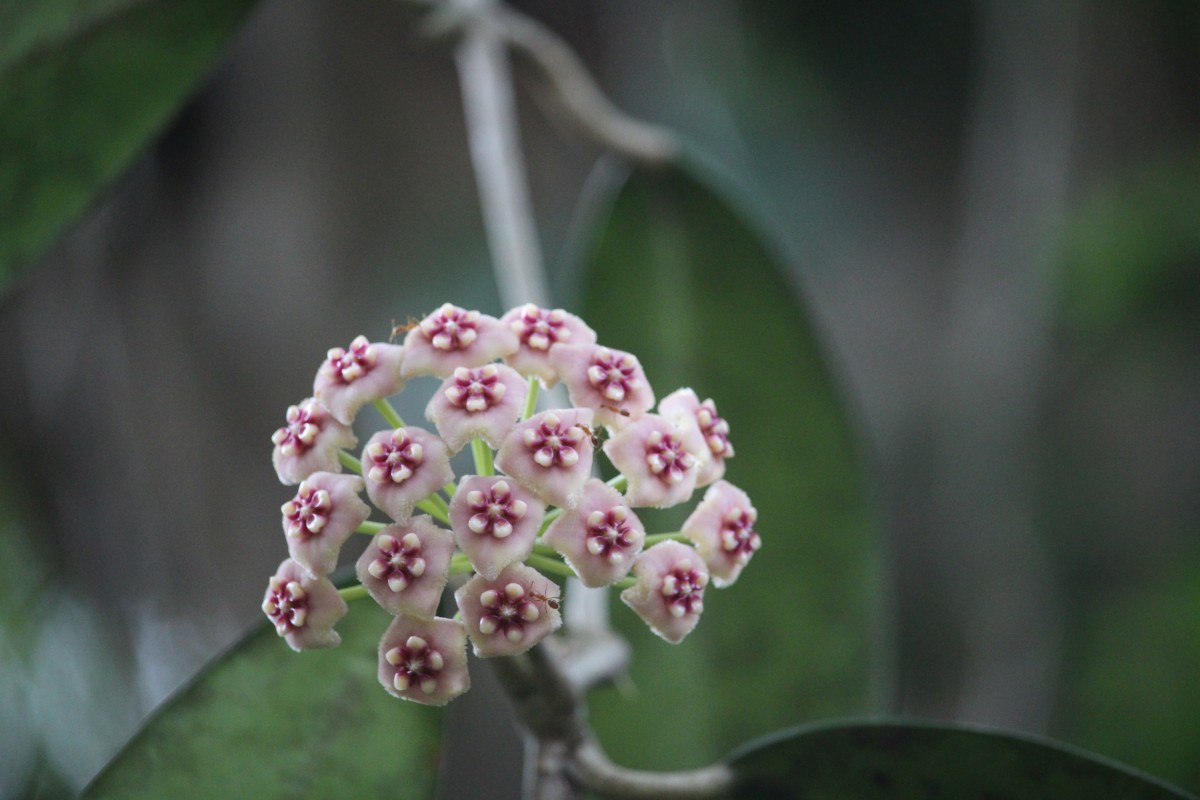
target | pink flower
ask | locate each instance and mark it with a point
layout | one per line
(659, 459)
(349, 379)
(453, 337)
(406, 566)
(610, 382)
(319, 519)
(303, 608)
(722, 526)
(424, 660)
(669, 594)
(402, 467)
(309, 442)
(510, 613)
(484, 402)
(550, 454)
(539, 329)
(599, 537)
(495, 522)
(685, 409)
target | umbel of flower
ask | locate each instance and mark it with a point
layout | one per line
(532, 497)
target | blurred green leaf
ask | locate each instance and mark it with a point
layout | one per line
(84, 86)
(265, 722)
(676, 276)
(895, 761)
(1131, 688)
(1132, 250)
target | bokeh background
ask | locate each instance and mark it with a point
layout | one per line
(991, 211)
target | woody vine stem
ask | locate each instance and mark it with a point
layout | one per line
(546, 684)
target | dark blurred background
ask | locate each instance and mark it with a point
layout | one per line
(992, 207)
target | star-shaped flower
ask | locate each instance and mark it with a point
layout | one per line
(303, 608)
(482, 402)
(684, 408)
(669, 594)
(659, 459)
(424, 660)
(599, 537)
(309, 442)
(722, 526)
(510, 613)
(539, 329)
(495, 522)
(550, 454)
(610, 382)
(402, 467)
(318, 520)
(453, 337)
(350, 378)
(406, 566)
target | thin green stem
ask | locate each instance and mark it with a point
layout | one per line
(388, 413)
(550, 565)
(620, 482)
(355, 592)
(535, 386)
(371, 528)
(348, 461)
(449, 489)
(545, 550)
(436, 507)
(483, 457)
(674, 536)
(460, 565)
(551, 515)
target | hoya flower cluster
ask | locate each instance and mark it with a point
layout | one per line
(532, 509)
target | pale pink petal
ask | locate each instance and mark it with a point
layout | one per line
(424, 660)
(550, 454)
(659, 459)
(722, 526)
(599, 537)
(351, 377)
(403, 467)
(539, 329)
(511, 613)
(406, 566)
(309, 442)
(669, 594)
(303, 608)
(324, 512)
(453, 337)
(684, 408)
(610, 382)
(495, 521)
(483, 402)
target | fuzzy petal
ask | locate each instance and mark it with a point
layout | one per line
(610, 382)
(495, 522)
(510, 614)
(424, 660)
(550, 454)
(598, 538)
(722, 526)
(303, 608)
(309, 442)
(402, 467)
(684, 408)
(318, 520)
(406, 566)
(483, 402)
(352, 377)
(539, 329)
(669, 594)
(453, 337)
(659, 459)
